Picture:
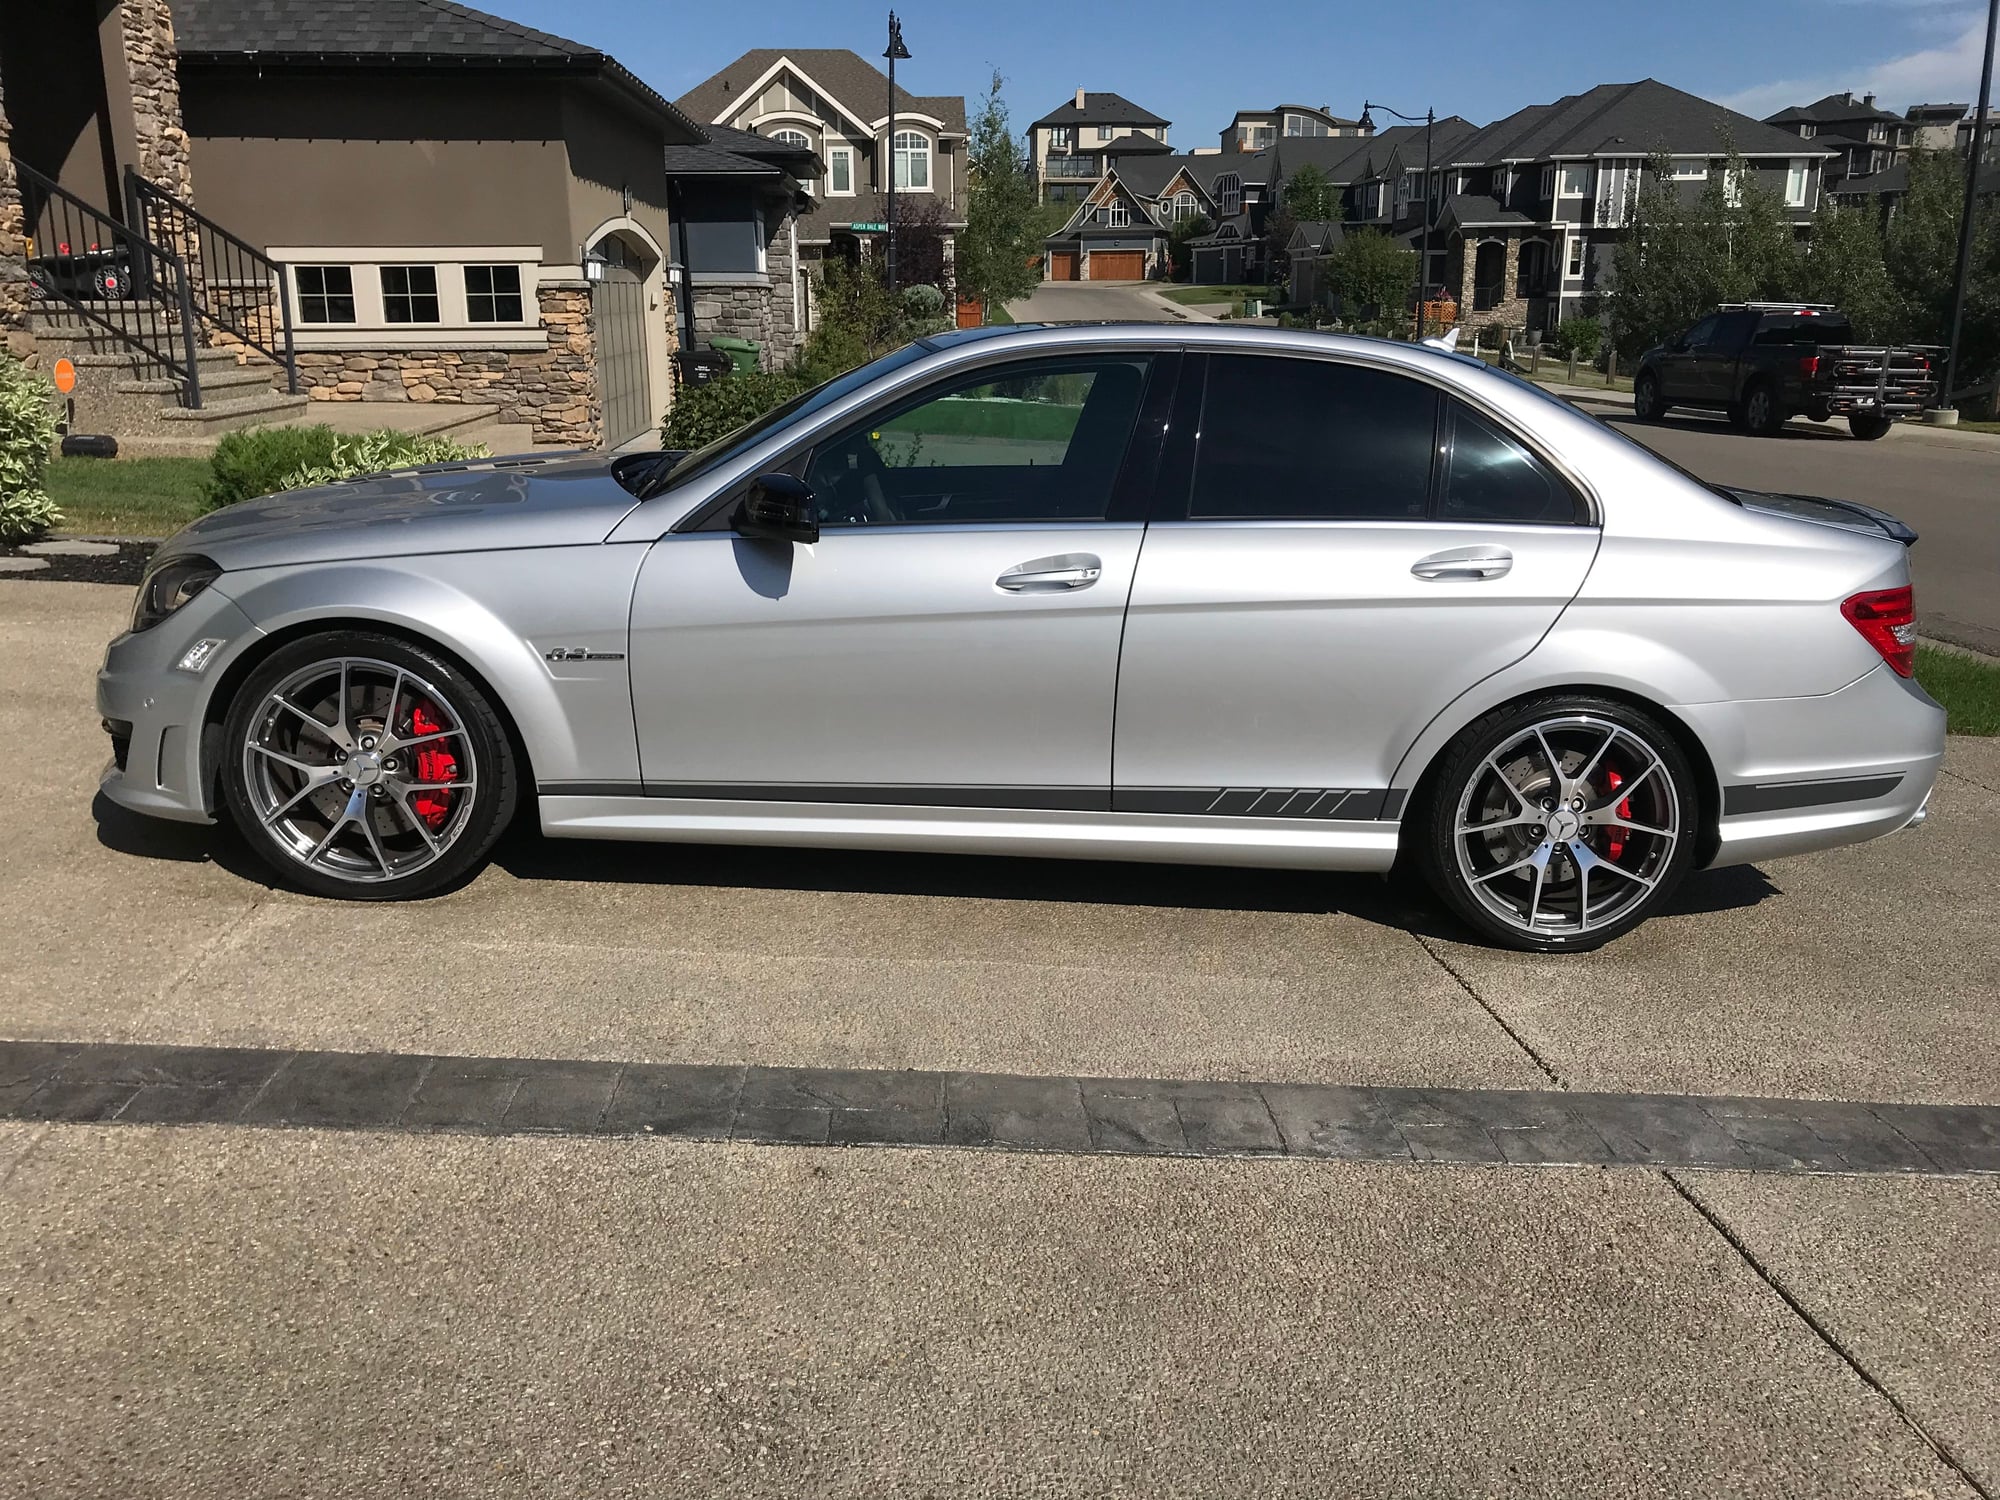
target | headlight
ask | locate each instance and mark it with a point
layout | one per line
(169, 585)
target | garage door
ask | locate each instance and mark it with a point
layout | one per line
(618, 305)
(1062, 265)
(1118, 265)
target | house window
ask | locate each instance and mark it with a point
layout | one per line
(1690, 169)
(1732, 187)
(1059, 138)
(493, 294)
(1305, 125)
(1253, 137)
(1548, 183)
(1116, 214)
(840, 172)
(1807, 132)
(1795, 184)
(913, 161)
(1575, 180)
(1573, 267)
(1104, 132)
(326, 293)
(792, 138)
(1229, 195)
(410, 294)
(1184, 206)
(1617, 179)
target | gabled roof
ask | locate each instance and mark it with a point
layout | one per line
(1148, 176)
(1348, 159)
(849, 77)
(1476, 211)
(1101, 109)
(1317, 236)
(381, 33)
(1624, 119)
(1134, 144)
(1833, 108)
(740, 153)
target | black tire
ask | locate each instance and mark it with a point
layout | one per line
(1761, 416)
(1486, 880)
(1869, 426)
(475, 747)
(1646, 403)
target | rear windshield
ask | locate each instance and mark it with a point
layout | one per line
(1816, 329)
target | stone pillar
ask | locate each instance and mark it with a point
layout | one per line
(19, 342)
(561, 398)
(160, 140)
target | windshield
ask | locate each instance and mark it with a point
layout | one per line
(804, 404)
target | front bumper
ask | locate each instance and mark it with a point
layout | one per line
(160, 772)
(1800, 774)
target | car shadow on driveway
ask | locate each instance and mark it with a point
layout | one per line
(524, 853)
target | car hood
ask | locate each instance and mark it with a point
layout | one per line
(472, 507)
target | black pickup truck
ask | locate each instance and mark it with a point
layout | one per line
(1765, 361)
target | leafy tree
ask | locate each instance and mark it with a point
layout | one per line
(1311, 196)
(1920, 246)
(1179, 255)
(1843, 264)
(922, 226)
(1003, 224)
(1368, 270)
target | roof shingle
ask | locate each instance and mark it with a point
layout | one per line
(851, 79)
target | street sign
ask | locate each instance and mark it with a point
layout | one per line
(869, 228)
(64, 374)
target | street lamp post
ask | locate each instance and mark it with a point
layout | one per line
(1424, 263)
(896, 50)
(1972, 164)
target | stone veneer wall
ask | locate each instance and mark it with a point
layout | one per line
(152, 59)
(751, 306)
(553, 390)
(13, 252)
(1510, 311)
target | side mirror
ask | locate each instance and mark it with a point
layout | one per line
(778, 508)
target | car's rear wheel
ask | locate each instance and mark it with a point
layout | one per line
(1646, 403)
(1761, 417)
(1559, 824)
(361, 766)
(1868, 426)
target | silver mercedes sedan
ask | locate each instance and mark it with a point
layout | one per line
(1232, 596)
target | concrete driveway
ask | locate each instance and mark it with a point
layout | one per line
(1092, 302)
(349, 1302)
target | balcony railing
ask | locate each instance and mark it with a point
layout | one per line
(1073, 166)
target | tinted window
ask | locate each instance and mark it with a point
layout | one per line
(1732, 330)
(1041, 442)
(1493, 478)
(1310, 440)
(1700, 334)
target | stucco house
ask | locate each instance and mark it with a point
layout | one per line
(404, 200)
(1120, 231)
(1073, 145)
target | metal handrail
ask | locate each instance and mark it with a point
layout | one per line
(117, 266)
(237, 288)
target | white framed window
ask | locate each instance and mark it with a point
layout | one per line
(1807, 132)
(1796, 182)
(1116, 214)
(913, 161)
(1104, 132)
(1690, 169)
(1229, 195)
(840, 172)
(791, 137)
(1305, 125)
(1732, 187)
(401, 297)
(493, 294)
(1573, 258)
(1059, 137)
(410, 294)
(1617, 181)
(325, 293)
(1574, 180)
(1185, 206)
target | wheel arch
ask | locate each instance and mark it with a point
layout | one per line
(1438, 739)
(246, 662)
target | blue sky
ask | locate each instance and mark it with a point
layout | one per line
(1481, 60)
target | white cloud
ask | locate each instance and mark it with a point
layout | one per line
(1930, 75)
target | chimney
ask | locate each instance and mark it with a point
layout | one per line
(1869, 100)
(1080, 99)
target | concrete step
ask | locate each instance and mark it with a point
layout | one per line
(262, 410)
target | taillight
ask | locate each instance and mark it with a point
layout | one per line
(1809, 365)
(1887, 620)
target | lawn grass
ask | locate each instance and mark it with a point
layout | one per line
(1186, 295)
(1967, 686)
(127, 496)
(996, 314)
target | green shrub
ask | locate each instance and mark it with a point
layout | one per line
(378, 452)
(923, 301)
(27, 431)
(1579, 336)
(257, 462)
(703, 413)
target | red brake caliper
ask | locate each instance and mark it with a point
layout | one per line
(434, 763)
(1615, 845)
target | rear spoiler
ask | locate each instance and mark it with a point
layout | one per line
(1849, 515)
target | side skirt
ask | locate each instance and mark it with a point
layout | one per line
(1275, 842)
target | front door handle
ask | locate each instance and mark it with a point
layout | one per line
(1462, 563)
(1052, 575)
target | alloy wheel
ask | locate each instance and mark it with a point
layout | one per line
(360, 769)
(1566, 826)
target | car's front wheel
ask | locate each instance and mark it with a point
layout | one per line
(1559, 824)
(361, 766)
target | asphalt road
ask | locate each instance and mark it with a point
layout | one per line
(267, 1311)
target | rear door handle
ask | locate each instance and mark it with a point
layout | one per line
(1061, 574)
(1463, 563)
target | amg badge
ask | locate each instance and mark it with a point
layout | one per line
(577, 653)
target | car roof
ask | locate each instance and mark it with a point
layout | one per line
(1203, 335)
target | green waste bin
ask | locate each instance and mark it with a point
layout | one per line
(742, 352)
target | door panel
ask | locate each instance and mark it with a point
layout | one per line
(1310, 655)
(881, 657)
